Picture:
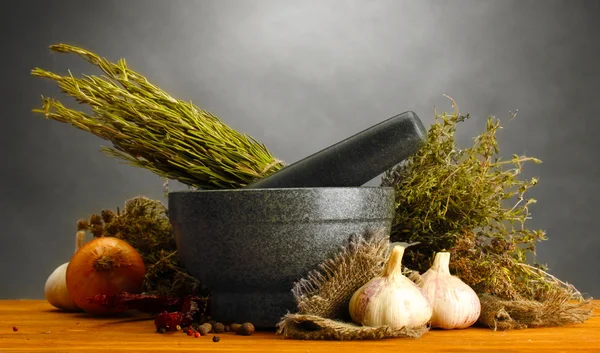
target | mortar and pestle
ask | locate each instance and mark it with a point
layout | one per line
(250, 245)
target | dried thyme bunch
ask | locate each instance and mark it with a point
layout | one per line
(144, 224)
(472, 203)
(150, 129)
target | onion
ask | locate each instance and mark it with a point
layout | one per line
(105, 265)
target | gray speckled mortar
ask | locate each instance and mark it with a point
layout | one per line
(249, 245)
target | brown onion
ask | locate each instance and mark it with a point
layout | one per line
(105, 265)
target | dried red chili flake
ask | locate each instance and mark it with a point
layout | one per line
(172, 311)
(142, 302)
(189, 305)
(197, 335)
(15, 329)
(168, 321)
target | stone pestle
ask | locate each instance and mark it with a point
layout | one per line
(355, 160)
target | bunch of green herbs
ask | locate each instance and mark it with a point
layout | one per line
(150, 129)
(474, 204)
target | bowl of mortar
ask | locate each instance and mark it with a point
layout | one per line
(250, 245)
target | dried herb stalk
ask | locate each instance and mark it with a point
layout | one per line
(150, 129)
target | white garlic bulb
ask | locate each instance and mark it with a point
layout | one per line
(391, 299)
(455, 304)
(55, 289)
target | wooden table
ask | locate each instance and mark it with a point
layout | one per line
(43, 329)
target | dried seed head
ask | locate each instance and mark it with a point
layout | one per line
(107, 215)
(96, 226)
(216, 339)
(83, 224)
(95, 220)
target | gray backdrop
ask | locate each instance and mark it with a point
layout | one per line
(299, 76)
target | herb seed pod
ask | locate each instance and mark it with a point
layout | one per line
(455, 304)
(391, 299)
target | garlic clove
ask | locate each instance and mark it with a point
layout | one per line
(455, 305)
(390, 299)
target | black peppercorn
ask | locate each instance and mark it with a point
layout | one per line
(234, 327)
(204, 329)
(218, 328)
(246, 329)
(216, 339)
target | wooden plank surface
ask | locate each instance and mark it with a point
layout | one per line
(43, 329)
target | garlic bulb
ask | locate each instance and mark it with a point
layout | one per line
(55, 288)
(391, 299)
(455, 304)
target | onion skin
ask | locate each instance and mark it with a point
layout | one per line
(105, 265)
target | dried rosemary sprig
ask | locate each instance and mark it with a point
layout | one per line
(150, 129)
(472, 203)
(144, 224)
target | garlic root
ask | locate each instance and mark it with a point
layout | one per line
(55, 289)
(455, 304)
(390, 299)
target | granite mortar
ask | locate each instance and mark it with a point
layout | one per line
(250, 245)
